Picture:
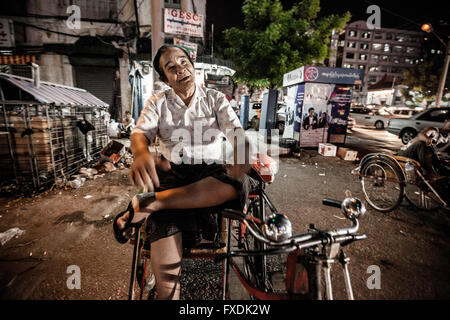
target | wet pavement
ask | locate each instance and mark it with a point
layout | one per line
(64, 228)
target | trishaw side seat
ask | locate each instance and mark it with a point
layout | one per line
(209, 251)
(405, 159)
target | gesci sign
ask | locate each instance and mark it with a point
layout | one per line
(183, 23)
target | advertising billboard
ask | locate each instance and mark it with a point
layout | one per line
(185, 23)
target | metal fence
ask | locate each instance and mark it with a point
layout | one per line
(42, 142)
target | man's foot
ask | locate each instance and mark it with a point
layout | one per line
(138, 210)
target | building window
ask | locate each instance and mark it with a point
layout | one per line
(389, 36)
(361, 66)
(408, 60)
(385, 58)
(351, 44)
(364, 46)
(378, 35)
(374, 57)
(373, 68)
(439, 52)
(412, 39)
(433, 51)
(350, 55)
(410, 49)
(396, 59)
(365, 35)
(363, 57)
(396, 70)
(386, 47)
(372, 79)
(400, 37)
(398, 48)
(376, 46)
(347, 65)
(352, 33)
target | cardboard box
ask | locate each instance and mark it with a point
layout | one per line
(327, 149)
(347, 154)
(113, 151)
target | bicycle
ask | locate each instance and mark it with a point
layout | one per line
(258, 235)
(386, 179)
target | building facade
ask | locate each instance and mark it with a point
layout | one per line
(383, 53)
(87, 44)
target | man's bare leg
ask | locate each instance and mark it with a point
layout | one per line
(208, 192)
(166, 254)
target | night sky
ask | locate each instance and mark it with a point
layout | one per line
(394, 13)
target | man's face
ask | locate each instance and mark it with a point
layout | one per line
(180, 73)
(311, 112)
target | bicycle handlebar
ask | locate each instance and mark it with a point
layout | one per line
(312, 238)
(332, 203)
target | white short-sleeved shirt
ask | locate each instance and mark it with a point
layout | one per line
(190, 134)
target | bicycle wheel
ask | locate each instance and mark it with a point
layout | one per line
(145, 279)
(382, 184)
(255, 267)
(421, 197)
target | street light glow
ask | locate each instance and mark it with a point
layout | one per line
(426, 27)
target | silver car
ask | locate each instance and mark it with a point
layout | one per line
(407, 128)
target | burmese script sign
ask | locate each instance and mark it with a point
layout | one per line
(181, 22)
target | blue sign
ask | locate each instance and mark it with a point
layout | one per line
(333, 75)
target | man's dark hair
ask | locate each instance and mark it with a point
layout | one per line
(310, 109)
(127, 112)
(157, 58)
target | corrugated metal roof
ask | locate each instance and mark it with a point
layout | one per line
(54, 93)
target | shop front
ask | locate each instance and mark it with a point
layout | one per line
(318, 104)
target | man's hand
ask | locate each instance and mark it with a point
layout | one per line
(143, 170)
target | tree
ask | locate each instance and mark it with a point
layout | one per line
(275, 41)
(424, 77)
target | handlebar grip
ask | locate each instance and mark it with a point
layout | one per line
(331, 203)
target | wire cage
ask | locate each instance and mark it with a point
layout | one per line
(42, 141)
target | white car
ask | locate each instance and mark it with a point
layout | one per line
(403, 112)
(372, 118)
(407, 128)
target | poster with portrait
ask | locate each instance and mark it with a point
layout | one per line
(294, 98)
(315, 114)
(339, 101)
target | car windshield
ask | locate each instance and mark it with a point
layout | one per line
(382, 113)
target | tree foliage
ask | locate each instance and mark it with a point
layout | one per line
(275, 41)
(424, 77)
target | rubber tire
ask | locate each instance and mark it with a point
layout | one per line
(379, 125)
(399, 174)
(254, 264)
(408, 132)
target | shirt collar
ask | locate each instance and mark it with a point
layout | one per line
(198, 94)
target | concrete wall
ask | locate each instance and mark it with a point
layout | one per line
(56, 68)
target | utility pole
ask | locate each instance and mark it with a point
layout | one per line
(184, 7)
(441, 87)
(212, 40)
(157, 30)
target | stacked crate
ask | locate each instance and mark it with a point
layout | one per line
(40, 143)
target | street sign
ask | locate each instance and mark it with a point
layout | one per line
(190, 47)
(7, 33)
(181, 22)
